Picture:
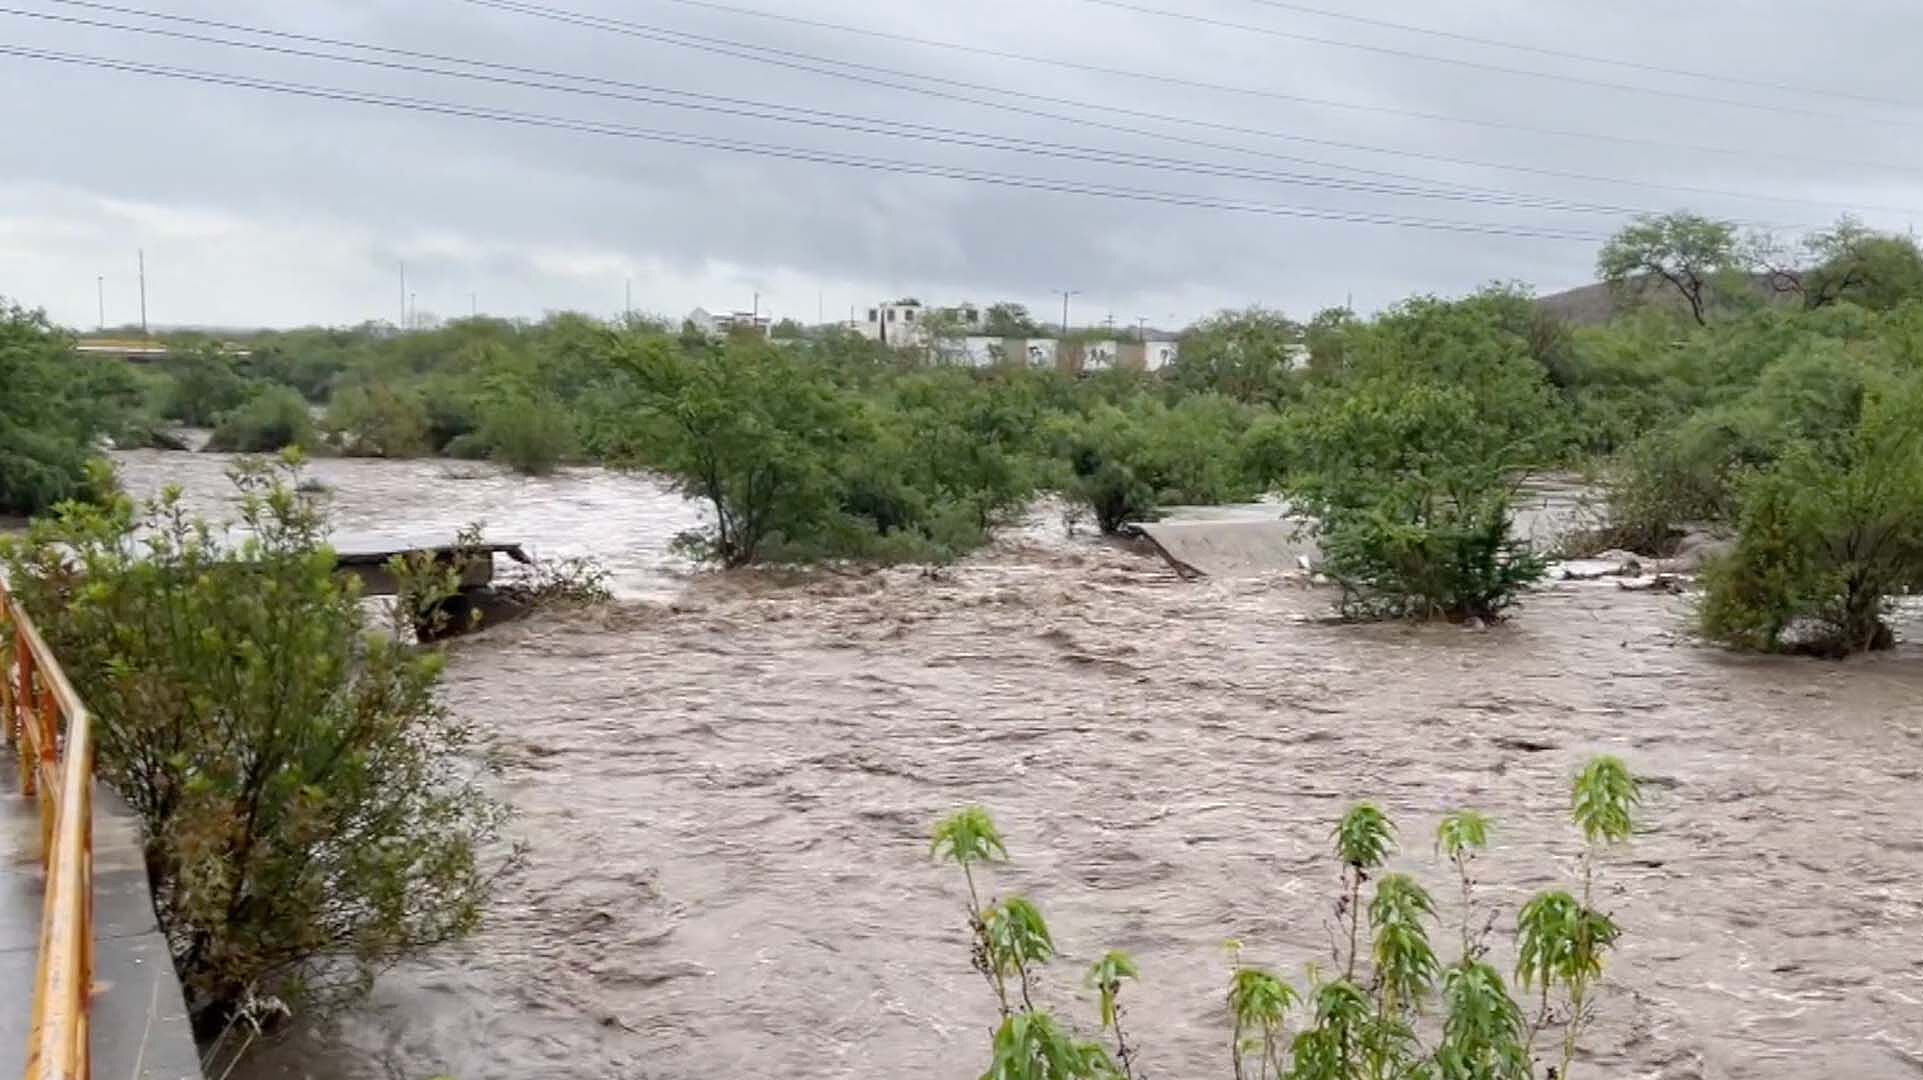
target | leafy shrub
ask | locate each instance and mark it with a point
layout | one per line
(273, 419)
(205, 385)
(376, 419)
(1125, 461)
(531, 435)
(309, 817)
(1826, 535)
(1362, 1024)
(1410, 502)
(53, 407)
(1405, 458)
(751, 431)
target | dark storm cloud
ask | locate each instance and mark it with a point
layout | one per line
(263, 208)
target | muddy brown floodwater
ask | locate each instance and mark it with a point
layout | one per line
(727, 798)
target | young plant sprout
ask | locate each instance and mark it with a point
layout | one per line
(1381, 1027)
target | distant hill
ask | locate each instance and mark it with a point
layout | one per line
(1593, 305)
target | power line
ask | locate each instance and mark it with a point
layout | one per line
(801, 62)
(1590, 58)
(1552, 76)
(873, 164)
(1275, 95)
(746, 107)
(638, 30)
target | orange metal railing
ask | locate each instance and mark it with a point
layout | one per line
(45, 719)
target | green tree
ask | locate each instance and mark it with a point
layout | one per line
(379, 419)
(308, 806)
(1682, 252)
(205, 384)
(48, 424)
(1009, 320)
(1250, 355)
(1406, 459)
(532, 433)
(273, 418)
(1827, 534)
(750, 430)
(1858, 265)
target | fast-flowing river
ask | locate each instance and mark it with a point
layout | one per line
(726, 782)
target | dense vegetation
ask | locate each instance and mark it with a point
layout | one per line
(1734, 386)
(1390, 1005)
(309, 811)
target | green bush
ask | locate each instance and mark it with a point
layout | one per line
(273, 419)
(753, 432)
(54, 407)
(308, 807)
(379, 420)
(205, 385)
(1125, 461)
(530, 434)
(1406, 460)
(1826, 535)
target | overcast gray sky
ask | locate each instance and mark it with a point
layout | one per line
(259, 208)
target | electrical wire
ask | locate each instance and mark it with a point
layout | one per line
(1274, 95)
(1410, 54)
(758, 149)
(1588, 58)
(799, 61)
(761, 110)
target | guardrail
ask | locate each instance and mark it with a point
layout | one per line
(53, 731)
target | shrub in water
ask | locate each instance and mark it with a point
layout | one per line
(308, 812)
(273, 419)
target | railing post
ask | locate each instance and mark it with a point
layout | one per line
(48, 726)
(23, 706)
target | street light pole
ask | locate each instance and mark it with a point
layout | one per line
(100, 287)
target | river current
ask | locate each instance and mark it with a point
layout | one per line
(725, 784)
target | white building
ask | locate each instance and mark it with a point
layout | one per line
(733, 322)
(897, 323)
(902, 323)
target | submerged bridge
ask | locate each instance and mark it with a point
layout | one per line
(94, 985)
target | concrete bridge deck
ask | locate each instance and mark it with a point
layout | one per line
(138, 1020)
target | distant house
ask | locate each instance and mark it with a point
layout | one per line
(895, 323)
(903, 323)
(731, 323)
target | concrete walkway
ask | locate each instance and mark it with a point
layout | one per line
(139, 1019)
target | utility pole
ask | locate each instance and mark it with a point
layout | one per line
(413, 311)
(143, 292)
(627, 302)
(756, 314)
(1065, 294)
(474, 305)
(1141, 328)
(100, 287)
(403, 324)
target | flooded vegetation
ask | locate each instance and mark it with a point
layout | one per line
(858, 589)
(725, 785)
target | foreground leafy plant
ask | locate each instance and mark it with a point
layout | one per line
(1258, 1001)
(1365, 1024)
(1010, 941)
(1106, 978)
